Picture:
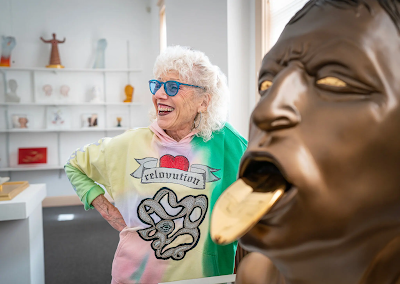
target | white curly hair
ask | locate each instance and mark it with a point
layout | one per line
(195, 68)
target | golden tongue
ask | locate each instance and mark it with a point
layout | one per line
(238, 209)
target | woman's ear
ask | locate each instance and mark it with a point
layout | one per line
(205, 102)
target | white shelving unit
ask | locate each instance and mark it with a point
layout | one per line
(69, 70)
(60, 142)
(70, 104)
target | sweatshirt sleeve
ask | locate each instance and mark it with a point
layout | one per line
(85, 168)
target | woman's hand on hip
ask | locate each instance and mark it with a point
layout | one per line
(109, 212)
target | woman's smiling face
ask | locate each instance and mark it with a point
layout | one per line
(176, 114)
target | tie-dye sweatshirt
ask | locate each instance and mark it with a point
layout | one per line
(165, 191)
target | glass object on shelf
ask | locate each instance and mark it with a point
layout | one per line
(7, 45)
(21, 121)
(55, 61)
(129, 93)
(47, 90)
(12, 97)
(99, 61)
(64, 89)
(119, 119)
(89, 120)
(96, 91)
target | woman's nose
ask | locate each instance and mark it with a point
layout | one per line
(160, 94)
(277, 109)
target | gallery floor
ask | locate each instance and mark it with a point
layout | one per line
(79, 246)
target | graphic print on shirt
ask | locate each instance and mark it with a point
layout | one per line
(174, 170)
(163, 233)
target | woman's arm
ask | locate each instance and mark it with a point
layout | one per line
(109, 212)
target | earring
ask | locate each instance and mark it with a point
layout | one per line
(194, 122)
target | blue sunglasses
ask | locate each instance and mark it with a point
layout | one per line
(170, 87)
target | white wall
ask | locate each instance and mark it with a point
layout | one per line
(241, 62)
(223, 29)
(82, 23)
(201, 25)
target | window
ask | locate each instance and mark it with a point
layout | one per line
(271, 18)
(163, 26)
(280, 13)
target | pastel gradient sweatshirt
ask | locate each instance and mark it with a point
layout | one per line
(165, 191)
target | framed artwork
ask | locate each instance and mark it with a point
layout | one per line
(89, 120)
(32, 156)
(21, 121)
(58, 118)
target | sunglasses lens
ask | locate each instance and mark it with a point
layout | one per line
(154, 86)
(172, 88)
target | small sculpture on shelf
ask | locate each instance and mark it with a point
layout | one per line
(64, 89)
(57, 118)
(99, 61)
(96, 91)
(47, 90)
(55, 61)
(12, 97)
(23, 122)
(119, 119)
(7, 45)
(129, 93)
(89, 120)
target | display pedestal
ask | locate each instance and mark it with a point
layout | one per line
(21, 237)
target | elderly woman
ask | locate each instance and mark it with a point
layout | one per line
(165, 178)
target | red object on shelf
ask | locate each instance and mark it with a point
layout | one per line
(32, 156)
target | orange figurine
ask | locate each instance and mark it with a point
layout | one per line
(129, 93)
(55, 61)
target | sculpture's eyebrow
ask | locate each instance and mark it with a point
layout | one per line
(282, 55)
(293, 51)
(358, 66)
(316, 55)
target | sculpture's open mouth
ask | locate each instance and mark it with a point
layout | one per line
(262, 174)
(260, 187)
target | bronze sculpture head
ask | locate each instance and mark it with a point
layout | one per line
(328, 122)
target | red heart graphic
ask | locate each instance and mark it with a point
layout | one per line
(178, 162)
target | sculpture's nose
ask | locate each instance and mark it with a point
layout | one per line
(277, 108)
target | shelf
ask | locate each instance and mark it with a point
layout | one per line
(43, 69)
(72, 104)
(91, 129)
(31, 168)
(109, 105)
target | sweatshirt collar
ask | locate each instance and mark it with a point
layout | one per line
(166, 139)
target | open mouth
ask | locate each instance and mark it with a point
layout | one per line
(164, 109)
(262, 172)
(261, 191)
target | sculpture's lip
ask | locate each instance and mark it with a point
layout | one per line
(281, 205)
(261, 161)
(264, 163)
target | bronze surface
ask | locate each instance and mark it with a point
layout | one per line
(330, 120)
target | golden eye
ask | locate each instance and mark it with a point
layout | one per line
(265, 85)
(331, 81)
